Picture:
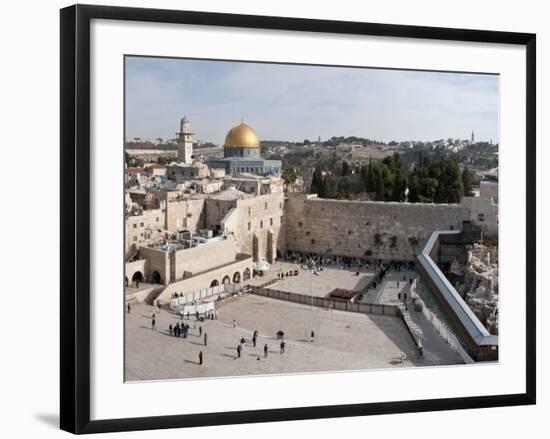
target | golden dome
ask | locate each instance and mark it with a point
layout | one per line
(242, 136)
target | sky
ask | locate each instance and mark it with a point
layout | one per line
(297, 102)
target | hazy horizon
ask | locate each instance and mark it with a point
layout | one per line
(296, 102)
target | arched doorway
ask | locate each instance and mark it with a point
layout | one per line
(237, 277)
(137, 277)
(155, 277)
(214, 283)
(226, 280)
(246, 274)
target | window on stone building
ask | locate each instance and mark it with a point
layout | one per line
(481, 217)
(265, 204)
(135, 225)
(141, 224)
(248, 226)
(270, 221)
(261, 224)
(157, 218)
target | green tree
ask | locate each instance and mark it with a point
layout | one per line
(468, 179)
(289, 175)
(316, 180)
(345, 168)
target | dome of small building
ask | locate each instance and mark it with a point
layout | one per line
(242, 136)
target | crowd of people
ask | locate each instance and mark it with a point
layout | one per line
(313, 260)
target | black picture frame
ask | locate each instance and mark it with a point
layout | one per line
(75, 217)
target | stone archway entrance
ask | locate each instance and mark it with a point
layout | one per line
(214, 283)
(237, 277)
(226, 280)
(246, 274)
(155, 277)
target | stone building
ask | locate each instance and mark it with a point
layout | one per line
(185, 142)
(241, 154)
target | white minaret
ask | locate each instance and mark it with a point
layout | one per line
(185, 142)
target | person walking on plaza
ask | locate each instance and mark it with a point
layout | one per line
(153, 326)
(170, 328)
(283, 347)
(312, 336)
(234, 323)
(239, 351)
(200, 331)
(200, 358)
(158, 305)
(266, 350)
(205, 339)
(254, 338)
(128, 307)
(197, 315)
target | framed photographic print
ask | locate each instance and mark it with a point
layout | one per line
(271, 218)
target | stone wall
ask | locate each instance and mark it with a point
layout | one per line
(185, 214)
(372, 230)
(205, 280)
(215, 211)
(144, 229)
(157, 260)
(204, 257)
(483, 212)
(258, 226)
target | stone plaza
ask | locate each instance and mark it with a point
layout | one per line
(343, 341)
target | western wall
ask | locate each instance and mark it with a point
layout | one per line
(373, 230)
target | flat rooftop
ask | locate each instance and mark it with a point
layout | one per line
(343, 341)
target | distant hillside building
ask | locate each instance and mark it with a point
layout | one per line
(241, 154)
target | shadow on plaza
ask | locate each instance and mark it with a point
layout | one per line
(394, 328)
(197, 343)
(233, 357)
